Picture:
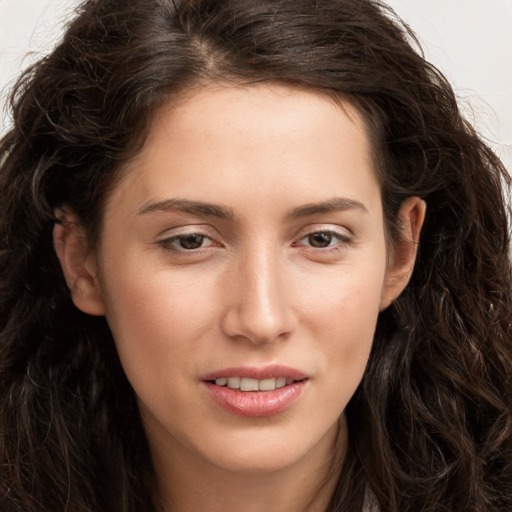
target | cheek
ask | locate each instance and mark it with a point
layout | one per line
(340, 316)
(346, 299)
(160, 320)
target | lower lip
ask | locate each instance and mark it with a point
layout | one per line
(255, 404)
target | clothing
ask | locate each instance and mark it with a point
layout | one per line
(370, 503)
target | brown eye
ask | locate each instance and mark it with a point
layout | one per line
(192, 241)
(320, 239)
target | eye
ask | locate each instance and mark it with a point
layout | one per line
(324, 242)
(324, 239)
(187, 242)
(320, 239)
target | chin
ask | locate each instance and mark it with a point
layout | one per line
(264, 451)
(258, 462)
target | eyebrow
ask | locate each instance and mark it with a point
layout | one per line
(187, 206)
(335, 204)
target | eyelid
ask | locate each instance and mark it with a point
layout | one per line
(188, 229)
(338, 231)
(342, 242)
(174, 238)
(168, 238)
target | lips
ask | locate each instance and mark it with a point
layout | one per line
(256, 392)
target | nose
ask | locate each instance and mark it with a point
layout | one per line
(258, 305)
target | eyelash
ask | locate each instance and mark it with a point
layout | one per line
(170, 244)
(342, 240)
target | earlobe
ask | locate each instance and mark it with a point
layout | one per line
(401, 264)
(78, 264)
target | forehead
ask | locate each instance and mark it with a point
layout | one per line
(259, 139)
(238, 109)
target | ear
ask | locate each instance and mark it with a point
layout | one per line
(77, 262)
(401, 261)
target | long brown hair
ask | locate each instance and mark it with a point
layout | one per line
(430, 426)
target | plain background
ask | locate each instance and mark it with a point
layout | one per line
(470, 41)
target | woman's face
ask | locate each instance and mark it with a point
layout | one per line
(245, 246)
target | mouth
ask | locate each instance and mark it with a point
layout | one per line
(248, 384)
(256, 392)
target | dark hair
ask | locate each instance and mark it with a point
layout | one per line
(430, 426)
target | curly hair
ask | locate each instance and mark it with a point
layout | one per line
(430, 426)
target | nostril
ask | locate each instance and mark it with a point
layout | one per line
(259, 329)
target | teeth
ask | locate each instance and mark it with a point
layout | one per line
(245, 384)
(249, 384)
(234, 382)
(267, 384)
(281, 382)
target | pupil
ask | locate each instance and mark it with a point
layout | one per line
(191, 241)
(320, 239)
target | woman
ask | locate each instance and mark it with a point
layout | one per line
(252, 258)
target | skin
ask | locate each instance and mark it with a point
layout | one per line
(255, 292)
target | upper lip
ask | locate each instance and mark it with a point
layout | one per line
(253, 372)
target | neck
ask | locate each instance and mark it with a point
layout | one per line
(188, 483)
